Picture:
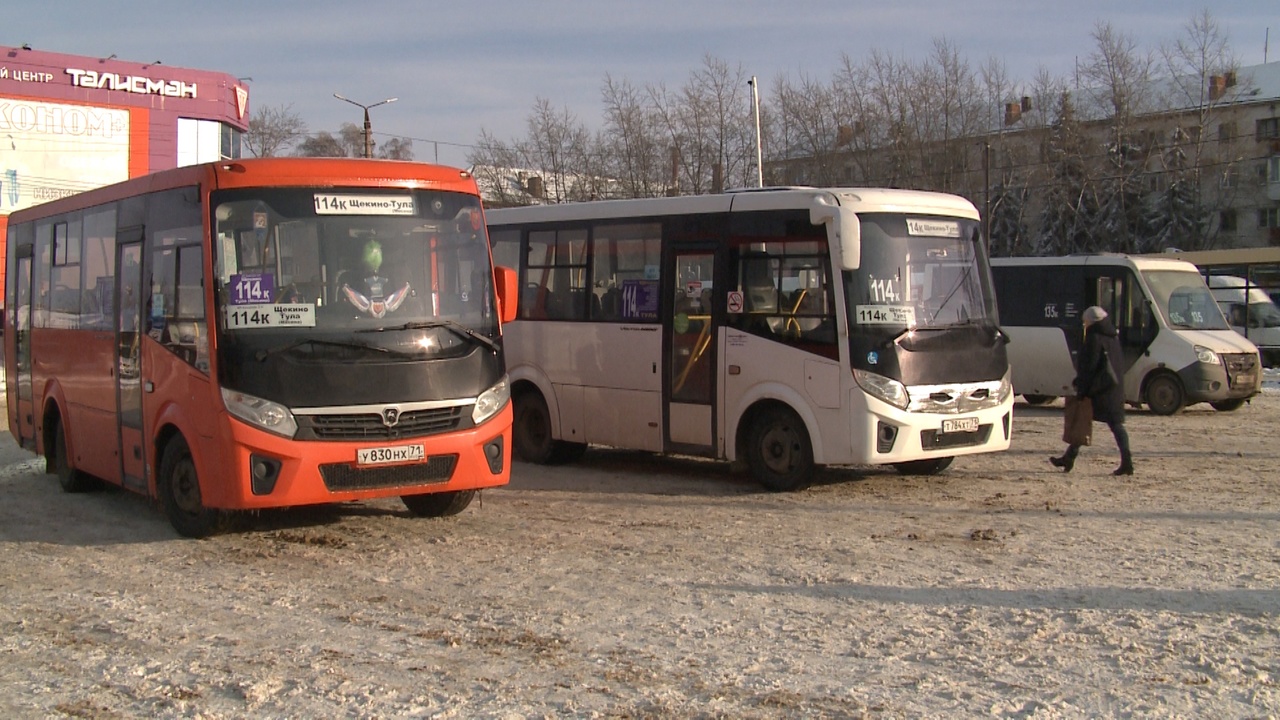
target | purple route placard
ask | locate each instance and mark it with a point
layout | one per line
(252, 288)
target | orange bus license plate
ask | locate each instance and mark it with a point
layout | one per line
(960, 425)
(389, 455)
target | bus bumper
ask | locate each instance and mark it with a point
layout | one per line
(1236, 376)
(897, 436)
(261, 470)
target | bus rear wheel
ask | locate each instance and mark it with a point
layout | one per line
(179, 489)
(70, 479)
(1164, 395)
(778, 451)
(435, 505)
(924, 467)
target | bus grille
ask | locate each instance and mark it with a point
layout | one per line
(369, 426)
(339, 477)
(1242, 369)
(935, 440)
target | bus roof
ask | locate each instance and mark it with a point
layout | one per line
(861, 200)
(268, 172)
(1137, 262)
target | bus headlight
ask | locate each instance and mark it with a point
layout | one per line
(883, 388)
(1006, 388)
(264, 414)
(491, 401)
(1205, 355)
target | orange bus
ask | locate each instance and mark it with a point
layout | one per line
(263, 333)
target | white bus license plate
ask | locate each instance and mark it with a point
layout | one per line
(960, 425)
(388, 455)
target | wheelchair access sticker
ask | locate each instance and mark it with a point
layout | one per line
(253, 317)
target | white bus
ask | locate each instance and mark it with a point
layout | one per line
(786, 328)
(1178, 347)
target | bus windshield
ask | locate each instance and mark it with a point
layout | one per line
(918, 272)
(1184, 301)
(366, 266)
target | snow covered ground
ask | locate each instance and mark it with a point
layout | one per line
(627, 585)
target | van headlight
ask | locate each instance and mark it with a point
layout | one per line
(1006, 387)
(264, 414)
(1205, 355)
(491, 401)
(883, 388)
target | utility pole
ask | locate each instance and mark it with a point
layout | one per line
(368, 127)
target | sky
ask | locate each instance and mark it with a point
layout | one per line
(460, 68)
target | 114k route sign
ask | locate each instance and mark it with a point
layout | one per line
(247, 317)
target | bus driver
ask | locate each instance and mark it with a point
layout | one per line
(370, 296)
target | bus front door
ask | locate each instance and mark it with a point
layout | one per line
(25, 410)
(691, 353)
(129, 290)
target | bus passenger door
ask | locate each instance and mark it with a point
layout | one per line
(128, 323)
(690, 352)
(25, 409)
(1115, 289)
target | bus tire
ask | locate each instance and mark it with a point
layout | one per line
(531, 433)
(179, 488)
(436, 505)
(1164, 395)
(924, 467)
(70, 479)
(1037, 399)
(778, 450)
(1228, 405)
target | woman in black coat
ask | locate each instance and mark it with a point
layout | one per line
(1104, 389)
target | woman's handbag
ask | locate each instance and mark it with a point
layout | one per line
(1105, 378)
(1077, 421)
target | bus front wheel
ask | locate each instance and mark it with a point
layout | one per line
(435, 505)
(70, 479)
(179, 489)
(1164, 395)
(1037, 399)
(778, 451)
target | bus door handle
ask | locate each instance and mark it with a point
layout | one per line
(655, 368)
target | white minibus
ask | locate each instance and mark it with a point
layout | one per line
(1178, 347)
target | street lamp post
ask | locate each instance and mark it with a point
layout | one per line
(368, 127)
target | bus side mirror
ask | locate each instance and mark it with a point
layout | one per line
(844, 230)
(507, 282)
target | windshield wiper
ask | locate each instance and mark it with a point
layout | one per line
(454, 327)
(262, 355)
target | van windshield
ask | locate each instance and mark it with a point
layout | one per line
(1182, 298)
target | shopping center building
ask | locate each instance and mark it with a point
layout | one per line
(70, 123)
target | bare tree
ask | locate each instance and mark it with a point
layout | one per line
(273, 130)
(810, 112)
(322, 144)
(1182, 214)
(632, 139)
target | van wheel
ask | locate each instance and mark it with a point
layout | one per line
(778, 451)
(1037, 399)
(531, 433)
(1164, 395)
(179, 489)
(71, 480)
(1228, 405)
(924, 467)
(435, 505)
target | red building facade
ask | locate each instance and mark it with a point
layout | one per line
(70, 123)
